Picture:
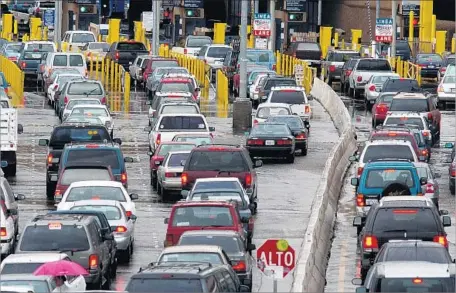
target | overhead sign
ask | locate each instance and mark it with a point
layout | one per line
(262, 25)
(193, 4)
(49, 18)
(384, 30)
(295, 5)
(276, 253)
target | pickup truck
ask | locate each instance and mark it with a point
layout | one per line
(124, 53)
(334, 62)
(362, 72)
(307, 51)
(30, 62)
(67, 134)
(9, 129)
(168, 125)
(191, 45)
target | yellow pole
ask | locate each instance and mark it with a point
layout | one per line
(96, 70)
(453, 45)
(411, 28)
(91, 66)
(127, 93)
(7, 20)
(250, 41)
(336, 40)
(219, 33)
(102, 72)
(15, 29)
(440, 43)
(356, 36)
(433, 26)
(138, 27)
(114, 30)
(426, 22)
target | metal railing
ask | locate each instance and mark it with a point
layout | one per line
(15, 77)
(406, 69)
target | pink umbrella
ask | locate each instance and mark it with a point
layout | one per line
(60, 268)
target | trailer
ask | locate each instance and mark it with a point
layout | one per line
(9, 130)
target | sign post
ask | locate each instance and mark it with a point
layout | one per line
(261, 29)
(276, 258)
(384, 30)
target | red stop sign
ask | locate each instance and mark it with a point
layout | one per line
(275, 252)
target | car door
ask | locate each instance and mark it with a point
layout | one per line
(100, 246)
(11, 203)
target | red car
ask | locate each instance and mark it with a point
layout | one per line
(178, 84)
(157, 62)
(202, 215)
(381, 107)
(81, 172)
(161, 151)
(399, 135)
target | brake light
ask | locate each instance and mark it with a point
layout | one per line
(332, 68)
(404, 212)
(441, 239)
(426, 133)
(372, 88)
(255, 142)
(307, 109)
(392, 134)
(360, 200)
(348, 72)
(429, 188)
(123, 178)
(92, 146)
(248, 180)
(56, 87)
(360, 170)
(240, 266)
(273, 67)
(6, 90)
(417, 281)
(442, 69)
(93, 261)
(103, 100)
(440, 89)
(89, 54)
(421, 65)
(121, 229)
(117, 55)
(255, 122)
(424, 152)
(453, 170)
(294, 55)
(58, 193)
(284, 142)
(185, 51)
(65, 101)
(382, 108)
(359, 78)
(184, 179)
(170, 174)
(158, 139)
(429, 116)
(301, 136)
(169, 240)
(370, 242)
(12, 58)
(128, 213)
(3, 231)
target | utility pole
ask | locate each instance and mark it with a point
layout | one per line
(156, 4)
(58, 24)
(272, 38)
(394, 13)
(243, 51)
(377, 16)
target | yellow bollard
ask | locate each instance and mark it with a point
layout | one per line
(336, 40)
(440, 43)
(453, 45)
(127, 93)
(35, 32)
(356, 38)
(96, 70)
(219, 33)
(108, 75)
(138, 30)
(114, 30)
(278, 58)
(250, 41)
(91, 66)
(15, 28)
(433, 27)
(102, 77)
(325, 39)
(7, 28)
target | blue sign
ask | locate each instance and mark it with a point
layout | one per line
(384, 21)
(262, 16)
(49, 17)
(295, 5)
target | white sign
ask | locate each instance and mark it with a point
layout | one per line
(147, 18)
(261, 43)
(384, 30)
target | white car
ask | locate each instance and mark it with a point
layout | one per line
(374, 85)
(168, 173)
(213, 54)
(27, 263)
(78, 102)
(99, 111)
(410, 119)
(103, 190)
(190, 76)
(447, 90)
(225, 183)
(265, 110)
(8, 231)
(39, 284)
(254, 88)
(122, 225)
(295, 97)
(59, 82)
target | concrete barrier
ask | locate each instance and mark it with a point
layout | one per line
(310, 271)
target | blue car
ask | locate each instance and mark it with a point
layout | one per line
(12, 51)
(261, 57)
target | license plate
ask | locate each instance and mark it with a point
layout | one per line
(270, 142)
(371, 201)
(431, 66)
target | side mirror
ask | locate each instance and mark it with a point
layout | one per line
(184, 193)
(258, 164)
(54, 178)
(251, 206)
(354, 181)
(251, 247)
(20, 129)
(19, 196)
(197, 89)
(244, 220)
(128, 160)
(446, 221)
(43, 142)
(249, 191)
(117, 140)
(148, 102)
(357, 281)
(423, 180)
(134, 196)
(449, 145)
(244, 288)
(183, 163)
(147, 129)
(353, 158)
(166, 220)
(357, 222)
(443, 212)
(108, 236)
(211, 129)
(133, 218)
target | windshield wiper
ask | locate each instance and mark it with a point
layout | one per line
(395, 230)
(88, 93)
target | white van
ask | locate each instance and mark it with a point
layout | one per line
(63, 60)
(7, 231)
(78, 39)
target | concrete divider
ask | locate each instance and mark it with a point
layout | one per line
(310, 271)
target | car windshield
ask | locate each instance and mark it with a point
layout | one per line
(74, 102)
(292, 122)
(375, 152)
(20, 268)
(95, 192)
(404, 219)
(308, 47)
(54, 237)
(179, 109)
(428, 58)
(13, 48)
(274, 130)
(197, 140)
(99, 112)
(288, 97)
(176, 159)
(198, 42)
(382, 178)
(80, 174)
(59, 71)
(30, 55)
(415, 285)
(405, 120)
(131, 47)
(270, 83)
(64, 79)
(342, 57)
(82, 38)
(219, 195)
(166, 148)
(401, 85)
(112, 213)
(229, 161)
(212, 258)
(255, 74)
(64, 135)
(449, 80)
(76, 60)
(40, 47)
(165, 63)
(39, 286)
(258, 56)
(162, 71)
(217, 52)
(183, 122)
(409, 105)
(85, 88)
(373, 65)
(159, 285)
(99, 46)
(211, 185)
(102, 156)
(421, 253)
(265, 112)
(202, 216)
(382, 78)
(386, 98)
(176, 87)
(230, 245)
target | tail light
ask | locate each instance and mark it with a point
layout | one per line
(185, 51)
(240, 266)
(442, 69)
(93, 261)
(440, 89)
(169, 240)
(184, 178)
(255, 122)
(58, 193)
(359, 78)
(441, 239)
(258, 89)
(121, 229)
(255, 142)
(372, 88)
(103, 101)
(6, 90)
(429, 116)
(301, 136)
(65, 101)
(348, 72)
(284, 142)
(158, 139)
(424, 153)
(426, 133)
(294, 55)
(123, 178)
(370, 242)
(56, 87)
(421, 65)
(429, 188)
(453, 170)
(382, 108)
(117, 55)
(3, 232)
(274, 67)
(248, 180)
(23, 64)
(128, 213)
(360, 200)
(12, 58)
(49, 159)
(307, 109)
(170, 175)
(251, 223)
(360, 170)
(332, 68)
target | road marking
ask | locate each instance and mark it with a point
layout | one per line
(342, 265)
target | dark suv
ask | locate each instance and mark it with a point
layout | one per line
(185, 277)
(208, 161)
(399, 218)
(274, 81)
(405, 85)
(80, 236)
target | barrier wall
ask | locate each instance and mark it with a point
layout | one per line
(310, 271)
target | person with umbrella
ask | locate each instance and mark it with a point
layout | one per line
(60, 270)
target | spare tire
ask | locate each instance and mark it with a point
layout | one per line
(396, 189)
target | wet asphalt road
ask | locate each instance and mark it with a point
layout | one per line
(344, 262)
(285, 191)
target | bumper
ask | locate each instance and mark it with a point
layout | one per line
(270, 151)
(9, 157)
(122, 242)
(301, 144)
(172, 184)
(93, 277)
(6, 246)
(446, 97)
(432, 197)
(367, 260)
(372, 96)
(379, 117)
(429, 72)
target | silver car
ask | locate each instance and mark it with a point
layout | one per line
(154, 79)
(431, 188)
(80, 89)
(194, 253)
(169, 172)
(12, 51)
(374, 85)
(446, 90)
(123, 227)
(137, 67)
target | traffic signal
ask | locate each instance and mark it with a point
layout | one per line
(104, 7)
(86, 9)
(194, 13)
(295, 17)
(416, 22)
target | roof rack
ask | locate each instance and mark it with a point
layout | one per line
(78, 143)
(43, 217)
(389, 159)
(393, 127)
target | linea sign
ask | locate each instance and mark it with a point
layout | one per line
(384, 30)
(262, 25)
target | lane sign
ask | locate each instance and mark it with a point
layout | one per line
(276, 253)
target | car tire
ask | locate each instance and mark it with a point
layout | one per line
(290, 158)
(10, 170)
(50, 189)
(363, 274)
(304, 151)
(158, 188)
(155, 183)
(107, 284)
(452, 189)
(163, 193)
(113, 269)
(330, 81)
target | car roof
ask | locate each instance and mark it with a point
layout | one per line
(178, 152)
(193, 135)
(421, 165)
(414, 243)
(387, 142)
(192, 248)
(402, 114)
(183, 114)
(34, 257)
(218, 45)
(188, 270)
(388, 164)
(97, 202)
(90, 106)
(287, 87)
(414, 269)
(276, 105)
(25, 277)
(229, 233)
(203, 203)
(84, 145)
(218, 179)
(409, 96)
(65, 219)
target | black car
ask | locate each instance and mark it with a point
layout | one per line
(273, 81)
(232, 243)
(399, 218)
(430, 64)
(402, 50)
(271, 140)
(405, 85)
(30, 61)
(299, 128)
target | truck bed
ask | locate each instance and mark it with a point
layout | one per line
(8, 130)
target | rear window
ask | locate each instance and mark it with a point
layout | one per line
(292, 122)
(266, 112)
(308, 47)
(40, 47)
(32, 55)
(430, 254)
(167, 63)
(450, 79)
(218, 195)
(62, 136)
(217, 185)
(85, 88)
(183, 122)
(387, 99)
(176, 87)
(401, 85)
(342, 57)
(13, 48)
(202, 216)
(415, 285)
(217, 52)
(258, 56)
(408, 138)
(227, 243)
(383, 78)
(212, 258)
(20, 268)
(37, 286)
(131, 47)
(95, 192)
(382, 178)
(374, 65)
(288, 97)
(60, 60)
(73, 103)
(102, 156)
(176, 160)
(409, 105)
(405, 120)
(165, 284)
(279, 82)
(198, 140)
(62, 80)
(99, 46)
(54, 237)
(76, 60)
(82, 38)
(179, 109)
(198, 42)
(428, 58)
(375, 152)
(270, 130)
(99, 112)
(112, 213)
(392, 220)
(79, 174)
(166, 148)
(162, 71)
(217, 161)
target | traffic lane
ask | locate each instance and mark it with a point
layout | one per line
(344, 262)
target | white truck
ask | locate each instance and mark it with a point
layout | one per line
(9, 130)
(191, 45)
